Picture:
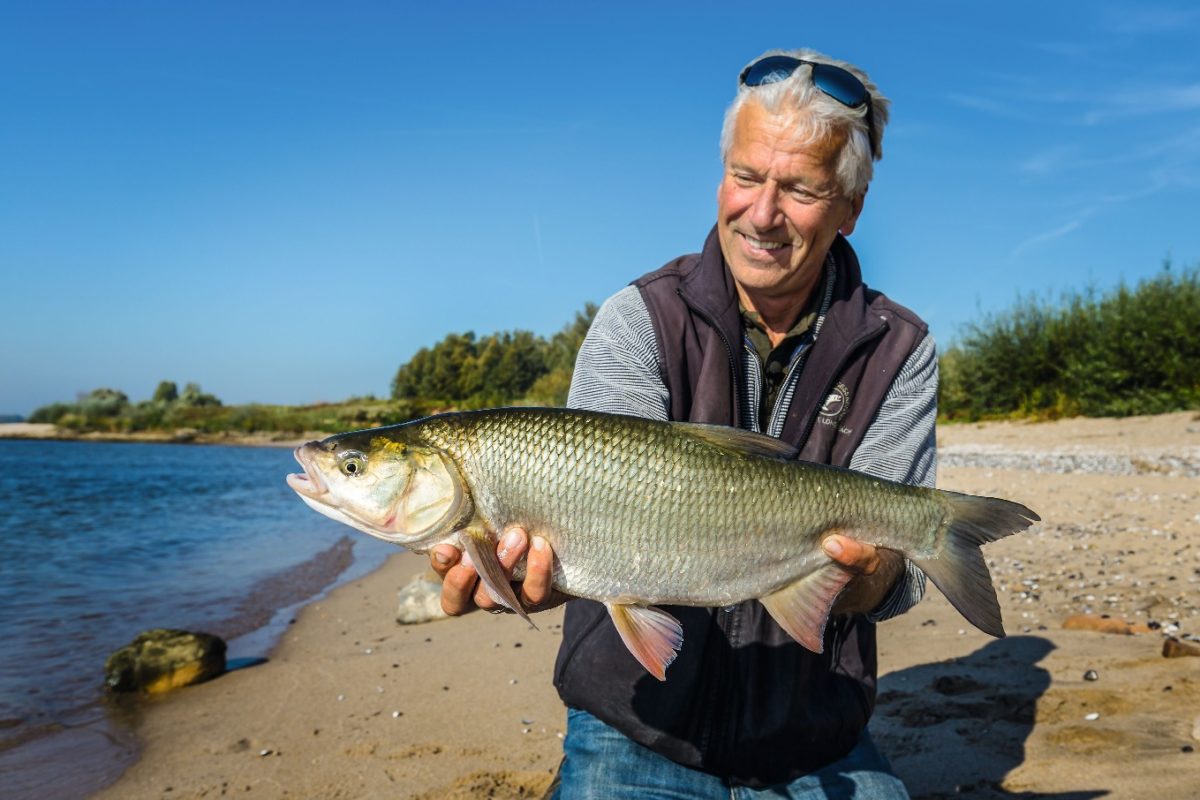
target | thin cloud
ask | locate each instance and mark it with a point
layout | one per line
(1171, 153)
(986, 105)
(1156, 184)
(1048, 161)
(1146, 101)
(1042, 238)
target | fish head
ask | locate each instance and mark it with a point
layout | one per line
(405, 493)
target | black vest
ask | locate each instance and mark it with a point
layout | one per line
(743, 700)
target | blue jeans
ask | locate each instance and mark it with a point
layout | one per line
(600, 763)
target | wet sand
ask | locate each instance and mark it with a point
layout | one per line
(354, 705)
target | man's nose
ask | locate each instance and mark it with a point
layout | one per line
(765, 213)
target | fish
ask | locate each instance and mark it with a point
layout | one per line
(643, 513)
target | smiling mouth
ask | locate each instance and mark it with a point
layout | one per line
(760, 244)
(309, 482)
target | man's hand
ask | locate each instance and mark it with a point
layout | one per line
(877, 571)
(462, 591)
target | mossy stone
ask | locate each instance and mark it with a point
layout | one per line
(161, 659)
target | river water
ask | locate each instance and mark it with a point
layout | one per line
(100, 541)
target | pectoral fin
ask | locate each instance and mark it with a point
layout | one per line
(802, 608)
(482, 550)
(652, 635)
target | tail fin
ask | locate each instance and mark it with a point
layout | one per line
(959, 570)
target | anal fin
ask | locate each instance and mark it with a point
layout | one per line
(652, 635)
(482, 550)
(802, 608)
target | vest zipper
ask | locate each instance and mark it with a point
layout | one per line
(775, 422)
(754, 384)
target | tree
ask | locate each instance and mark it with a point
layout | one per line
(193, 397)
(166, 392)
(499, 369)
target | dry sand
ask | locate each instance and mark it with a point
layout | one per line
(353, 705)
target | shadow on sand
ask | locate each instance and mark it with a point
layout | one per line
(957, 728)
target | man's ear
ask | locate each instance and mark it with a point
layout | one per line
(856, 207)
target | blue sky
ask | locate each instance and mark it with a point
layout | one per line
(284, 201)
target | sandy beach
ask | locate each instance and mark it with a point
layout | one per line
(354, 705)
(46, 431)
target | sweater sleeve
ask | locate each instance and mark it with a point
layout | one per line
(617, 368)
(900, 445)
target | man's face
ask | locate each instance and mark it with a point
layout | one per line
(779, 207)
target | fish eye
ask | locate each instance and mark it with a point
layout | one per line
(353, 463)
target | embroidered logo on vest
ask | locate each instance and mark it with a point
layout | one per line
(835, 407)
(836, 404)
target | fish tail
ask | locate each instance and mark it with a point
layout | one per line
(958, 568)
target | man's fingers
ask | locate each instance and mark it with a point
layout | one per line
(858, 556)
(458, 585)
(539, 572)
(513, 545)
(443, 557)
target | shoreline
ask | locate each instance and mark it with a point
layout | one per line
(351, 704)
(45, 432)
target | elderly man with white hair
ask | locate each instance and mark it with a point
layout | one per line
(771, 328)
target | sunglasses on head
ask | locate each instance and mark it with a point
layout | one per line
(833, 81)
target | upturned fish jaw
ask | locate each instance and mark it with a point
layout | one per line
(309, 483)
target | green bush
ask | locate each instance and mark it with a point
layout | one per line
(1130, 351)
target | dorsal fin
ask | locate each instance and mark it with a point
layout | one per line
(738, 442)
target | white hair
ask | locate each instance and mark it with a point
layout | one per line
(818, 117)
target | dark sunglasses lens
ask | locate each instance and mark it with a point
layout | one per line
(770, 70)
(839, 84)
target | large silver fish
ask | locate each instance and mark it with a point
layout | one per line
(641, 513)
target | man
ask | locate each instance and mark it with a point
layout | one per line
(769, 328)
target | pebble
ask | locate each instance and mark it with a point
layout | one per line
(1091, 675)
(1173, 648)
(1092, 717)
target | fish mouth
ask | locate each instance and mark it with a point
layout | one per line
(308, 483)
